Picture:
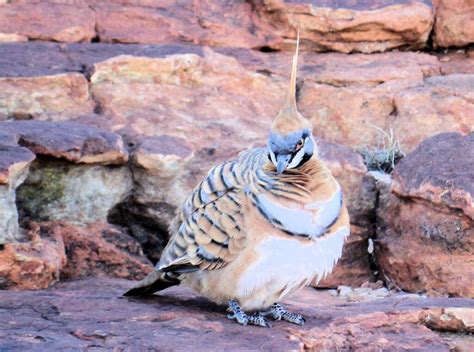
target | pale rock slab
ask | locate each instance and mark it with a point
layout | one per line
(61, 97)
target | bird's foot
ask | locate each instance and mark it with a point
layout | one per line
(243, 318)
(277, 312)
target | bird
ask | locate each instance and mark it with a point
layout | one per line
(259, 227)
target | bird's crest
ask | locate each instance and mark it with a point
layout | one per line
(289, 119)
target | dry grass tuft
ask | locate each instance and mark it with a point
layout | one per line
(385, 155)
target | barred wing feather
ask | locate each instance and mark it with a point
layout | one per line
(208, 230)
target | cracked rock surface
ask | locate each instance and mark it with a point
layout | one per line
(92, 314)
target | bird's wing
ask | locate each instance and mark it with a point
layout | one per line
(208, 230)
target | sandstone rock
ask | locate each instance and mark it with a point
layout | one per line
(68, 140)
(425, 239)
(14, 162)
(441, 171)
(374, 331)
(214, 90)
(60, 97)
(343, 95)
(14, 165)
(57, 190)
(457, 62)
(357, 26)
(91, 314)
(347, 97)
(11, 37)
(159, 168)
(99, 250)
(268, 24)
(434, 105)
(33, 265)
(361, 70)
(73, 21)
(210, 23)
(454, 25)
(442, 104)
(47, 59)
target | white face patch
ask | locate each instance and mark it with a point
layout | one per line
(272, 157)
(296, 159)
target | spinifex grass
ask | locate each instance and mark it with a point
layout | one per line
(385, 155)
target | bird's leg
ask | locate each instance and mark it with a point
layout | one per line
(277, 312)
(243, 318)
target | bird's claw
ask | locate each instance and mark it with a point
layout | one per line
(242, 318)
(277, 312)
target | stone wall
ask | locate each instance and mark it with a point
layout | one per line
(110, 115)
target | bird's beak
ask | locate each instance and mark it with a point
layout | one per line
(282, 162)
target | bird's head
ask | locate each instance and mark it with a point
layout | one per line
(291, 142)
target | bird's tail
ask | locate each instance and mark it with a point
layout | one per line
(155, 281)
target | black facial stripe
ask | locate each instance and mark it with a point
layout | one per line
(305, 158)
(293, 154)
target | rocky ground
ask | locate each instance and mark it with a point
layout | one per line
(111, 113)
(92, 315)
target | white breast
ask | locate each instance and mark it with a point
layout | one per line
(287, 262)
(312, 220)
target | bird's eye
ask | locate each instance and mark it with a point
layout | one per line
(299, 144)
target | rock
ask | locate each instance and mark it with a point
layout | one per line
(159, 174)
(387, 90)
(453, 319)
(99, 250)
(454, 25)
(61, 97)
(361, 70)
(432, 172)
(361, 293)
(11, 37)
(58, 190)
(348, 97)
(209, 23)
(214, 86)
(32, 265)
(14, 162)
(73, 21)
(425, 228)
(457, 62)
(258, 24)
(47, 59)
(269, 24)
(92, 314)
(442, 104)
(439, 104)
(375, 331)
(14, 166)
(71, 141)
(60, 249)
(353, 268)
(358, 26)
